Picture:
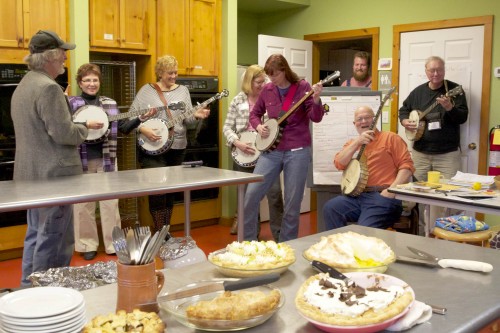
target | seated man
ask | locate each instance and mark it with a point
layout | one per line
(388, 163)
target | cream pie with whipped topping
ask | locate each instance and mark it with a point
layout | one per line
(336, 302)
(350, 250)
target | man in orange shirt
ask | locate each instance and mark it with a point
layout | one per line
(388, 163)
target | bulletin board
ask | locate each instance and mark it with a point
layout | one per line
(335, 129)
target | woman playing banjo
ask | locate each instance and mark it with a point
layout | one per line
(162, 146)
(293, 153)
(241, 136)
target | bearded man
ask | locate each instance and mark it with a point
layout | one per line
(360, 71)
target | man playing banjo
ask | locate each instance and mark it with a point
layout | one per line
(438, 148)
(388, 163)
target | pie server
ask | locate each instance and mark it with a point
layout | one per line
(221, 286)
(425, 258)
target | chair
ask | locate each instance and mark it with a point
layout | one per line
(408, 222)
(475, 238)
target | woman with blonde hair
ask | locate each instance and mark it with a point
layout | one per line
(153, 95)
(237, 123)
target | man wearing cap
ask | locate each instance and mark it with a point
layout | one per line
(46, 147)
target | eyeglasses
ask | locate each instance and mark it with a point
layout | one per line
(365, 118)
(90, 81)
(259, 82)
(435, 70)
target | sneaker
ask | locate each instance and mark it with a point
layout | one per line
(89, 255)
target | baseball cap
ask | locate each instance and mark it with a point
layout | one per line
(47, 40)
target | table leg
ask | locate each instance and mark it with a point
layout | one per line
(187, 213)
(241, 202)
(427, 219)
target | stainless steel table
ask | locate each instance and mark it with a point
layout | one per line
(471, 297)
(17, 195)
(487, 206)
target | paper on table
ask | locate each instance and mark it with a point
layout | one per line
(470, 178)
(419, 313)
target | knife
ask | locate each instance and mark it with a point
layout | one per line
(430, 260)
(221, 286)
(324, 268)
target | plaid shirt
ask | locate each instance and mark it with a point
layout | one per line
(236, 118)
(110, 140)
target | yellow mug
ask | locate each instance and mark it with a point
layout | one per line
(434, 177)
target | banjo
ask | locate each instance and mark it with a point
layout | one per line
(417, 117)
(355, 176)
(244, 159)
(163, 127)
(92, 112)
(276, 126)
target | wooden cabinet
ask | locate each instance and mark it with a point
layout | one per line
(190, 31)
(23, 18)
(120, 24)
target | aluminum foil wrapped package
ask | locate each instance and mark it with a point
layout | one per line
(79, 278)
(180, 251)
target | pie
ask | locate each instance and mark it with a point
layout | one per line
(335, 302)
(133, 322)
(254, 255)
(235, 305)
(350, 250)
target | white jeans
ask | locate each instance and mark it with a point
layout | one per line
(86, 234)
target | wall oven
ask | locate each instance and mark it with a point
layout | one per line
(203, 137)
(10, 76)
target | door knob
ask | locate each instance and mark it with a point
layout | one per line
(472, 146)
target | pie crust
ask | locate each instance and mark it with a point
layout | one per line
(369, 317)
(235, 305)
(254, 255)
(133, 322)
(350, 250)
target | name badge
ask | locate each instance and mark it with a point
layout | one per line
(435, 125)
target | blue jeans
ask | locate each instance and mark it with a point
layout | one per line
(295, 164)
(49, 241)
(369, 209)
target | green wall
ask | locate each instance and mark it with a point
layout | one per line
(336, 15)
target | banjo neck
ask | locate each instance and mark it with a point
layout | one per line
(329, 78)
(133, 113)
(375, 119)
(452, 93)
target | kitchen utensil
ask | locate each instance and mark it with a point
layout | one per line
(132, 246)
(120, 245)
(324, 268)
(425, 258)
(222, 286)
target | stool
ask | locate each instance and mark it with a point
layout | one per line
(474, 237)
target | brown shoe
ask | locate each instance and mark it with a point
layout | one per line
(234, 227)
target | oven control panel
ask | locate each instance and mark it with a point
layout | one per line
(12, 72)
(199, 84)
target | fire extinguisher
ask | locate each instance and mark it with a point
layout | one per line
(494, 151)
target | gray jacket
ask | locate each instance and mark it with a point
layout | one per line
(46, 137)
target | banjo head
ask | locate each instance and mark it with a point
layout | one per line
(92, 112)
(354, 178)
(243, 159)
(415, 135)
(264, 144)
(156, 147)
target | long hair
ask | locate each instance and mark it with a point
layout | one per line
(250, 74)
(277, 62)
(87, 69)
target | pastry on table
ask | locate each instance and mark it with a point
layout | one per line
(133, 322)
(335, 302)
(350, 250)
(235, 305)
(254, 255)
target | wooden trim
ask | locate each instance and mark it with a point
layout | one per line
(373, 33)
(487, 22)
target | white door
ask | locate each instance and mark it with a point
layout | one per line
(298, 53)
(462, 50)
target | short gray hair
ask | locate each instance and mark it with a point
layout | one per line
(434, 58)
(37, 61)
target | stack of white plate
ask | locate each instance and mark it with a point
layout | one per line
(42, 310)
